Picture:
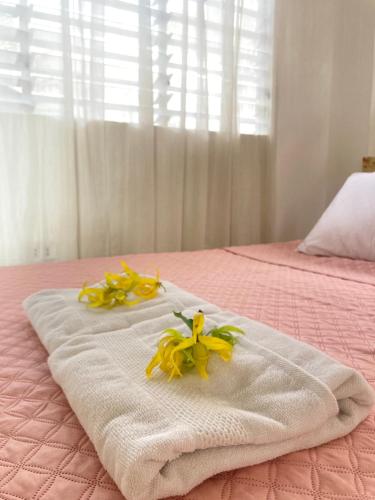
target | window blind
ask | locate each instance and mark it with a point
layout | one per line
(175, 63)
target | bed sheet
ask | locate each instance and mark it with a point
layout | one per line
(44, 452)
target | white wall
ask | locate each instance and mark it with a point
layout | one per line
(324, 55)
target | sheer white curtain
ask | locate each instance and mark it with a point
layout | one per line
(131, 125)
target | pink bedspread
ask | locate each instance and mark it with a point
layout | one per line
(330, 303)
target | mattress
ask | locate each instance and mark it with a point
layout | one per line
(327, 302)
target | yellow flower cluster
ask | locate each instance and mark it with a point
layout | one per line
(127, 289)
(176, 354)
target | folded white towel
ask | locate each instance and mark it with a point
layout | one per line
(157, 439)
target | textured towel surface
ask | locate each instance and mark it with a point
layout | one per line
(158, 439)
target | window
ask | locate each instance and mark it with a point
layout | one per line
(176, 63)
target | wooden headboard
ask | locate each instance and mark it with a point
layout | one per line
(368, 164)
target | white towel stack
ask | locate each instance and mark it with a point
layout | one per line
(157, 439)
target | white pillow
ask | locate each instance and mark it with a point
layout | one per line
(347, 227)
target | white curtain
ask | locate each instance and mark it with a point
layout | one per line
(131, 125)
(324, 70)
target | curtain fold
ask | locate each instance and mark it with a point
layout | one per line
(130, 138)
(184, 193)
(38, 189)
(135, 190)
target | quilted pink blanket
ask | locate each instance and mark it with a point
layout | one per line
(330, 303)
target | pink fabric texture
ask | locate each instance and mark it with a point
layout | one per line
(327, 302)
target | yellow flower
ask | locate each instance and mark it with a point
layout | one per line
(147, 288)
(127, 289)
(118, 282)
(200, 355)
(177, 354)
(96, 296)
(165, 357)
(198, 325)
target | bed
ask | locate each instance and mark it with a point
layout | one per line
(327, 302)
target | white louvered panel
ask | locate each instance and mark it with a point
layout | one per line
(127, 56)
